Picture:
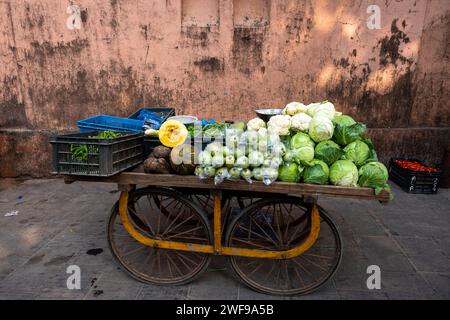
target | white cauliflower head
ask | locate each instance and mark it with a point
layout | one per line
(256, 124)
(279, 124)
(293, 108)
(262, 132)
(300, 122)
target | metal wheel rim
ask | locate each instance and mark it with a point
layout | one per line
(242, 276)
(202, 259)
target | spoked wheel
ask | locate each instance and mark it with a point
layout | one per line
(246, 199)
(201, 197)
(184, 222)
(277, 225)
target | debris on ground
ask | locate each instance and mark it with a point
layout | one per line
(11, 213)
(94, 252)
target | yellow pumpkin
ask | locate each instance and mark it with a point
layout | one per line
(172, 133)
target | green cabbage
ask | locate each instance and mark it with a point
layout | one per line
(328, 151)
(288, 156)
(305, 153)
(373, 154)
(344, 173)
(343, 120)
(289, 172)
(358, 152)
(300, 139)
(316, 172)
(346, 130)
(325, 109)
(373, 175)
(321, 128)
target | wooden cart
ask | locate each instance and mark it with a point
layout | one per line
(277, 238)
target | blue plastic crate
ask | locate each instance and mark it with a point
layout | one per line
(154, 116)
(104, 122)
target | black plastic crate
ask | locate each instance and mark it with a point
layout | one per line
(101, 158)
(413, 181)
(149, 144)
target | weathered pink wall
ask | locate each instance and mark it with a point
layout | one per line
(223, 59)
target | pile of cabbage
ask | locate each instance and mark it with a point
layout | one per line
(306, 143)
(324, 146)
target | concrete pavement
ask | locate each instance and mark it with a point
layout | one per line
(58, 225)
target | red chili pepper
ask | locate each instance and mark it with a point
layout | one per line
(413, 165)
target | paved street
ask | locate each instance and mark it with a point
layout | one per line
(58, 225)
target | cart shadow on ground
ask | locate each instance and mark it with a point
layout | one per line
(60, 225)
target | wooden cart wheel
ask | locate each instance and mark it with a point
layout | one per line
(156, 265)
(268, 225)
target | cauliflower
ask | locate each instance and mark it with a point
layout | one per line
(293, 108)
(262, 133)
(300, 122)
(256, 124)
(280, 124)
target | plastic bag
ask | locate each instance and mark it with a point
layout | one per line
(221, 174)
(247, 175)
(269, 175)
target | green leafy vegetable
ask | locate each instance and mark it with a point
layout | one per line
(289, 172)
(345, 134)
(79, 152)
(107, 135)
(321, 128)
(328, 151)
(358, 152)
(305, 153)
(343, 120)
(300, 139)
(316, 172)
(344, 173)
(373, 175)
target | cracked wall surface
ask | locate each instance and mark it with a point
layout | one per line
(222, 59)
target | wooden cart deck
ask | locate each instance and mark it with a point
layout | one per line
(139, 177)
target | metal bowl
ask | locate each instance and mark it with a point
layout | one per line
(265, 114)
(184, 119)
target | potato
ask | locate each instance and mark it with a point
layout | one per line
(156, 165)
(161, 152)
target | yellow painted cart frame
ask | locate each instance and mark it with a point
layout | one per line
(128, 180)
